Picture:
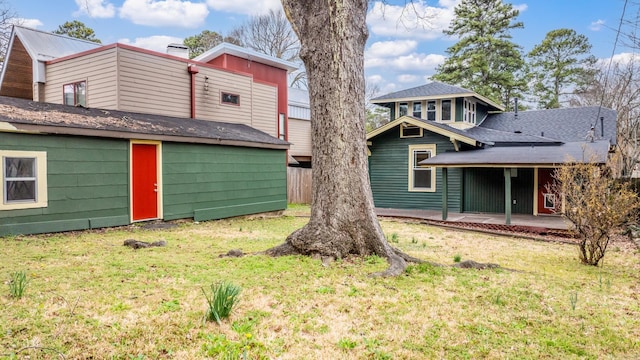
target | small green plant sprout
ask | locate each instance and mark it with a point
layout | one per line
(394, 238)
(457, 258)
(414, 240)
(18, 284)
(604, 282)
(573, 299)
(326, 290)
(346, 344)
(221, 300)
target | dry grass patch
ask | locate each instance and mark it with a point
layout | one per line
(91, 297)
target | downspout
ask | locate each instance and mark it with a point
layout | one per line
(193, 70)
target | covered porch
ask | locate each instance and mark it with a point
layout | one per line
(493, 186)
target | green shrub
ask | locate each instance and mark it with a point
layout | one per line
(457, 258)
(18, 284)
(223, 297)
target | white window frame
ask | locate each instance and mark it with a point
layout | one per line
(41, 199)
(469, 108)
(550, 201)
(400, 106)
(406, 126)
(431, 148)
(413, 109)
(451, 110)
(434, 111)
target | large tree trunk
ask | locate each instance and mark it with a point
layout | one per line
(333, 35)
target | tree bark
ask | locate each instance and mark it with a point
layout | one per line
(343, 222)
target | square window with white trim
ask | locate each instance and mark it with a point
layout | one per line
(550, 201)
(24, 179)
(421, 178)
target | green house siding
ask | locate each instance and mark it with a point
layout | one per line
(484, 190)
(87, 181)
(459, 104)
(211, 182)
(388, 173)
(481, 113)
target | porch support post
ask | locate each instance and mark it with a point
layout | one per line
(445, 193)
(507, 195)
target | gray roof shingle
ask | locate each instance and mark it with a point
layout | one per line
(568, 124)
(533, 155)
(431, 89)
(64, 119)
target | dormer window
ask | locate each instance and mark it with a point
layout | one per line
(446, 110)
(417, 109)
(431, 110)
(469, 111)
(403, 109)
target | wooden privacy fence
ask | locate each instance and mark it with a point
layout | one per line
(298, 185)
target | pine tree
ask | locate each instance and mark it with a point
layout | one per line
(560, 65)
(485, 59)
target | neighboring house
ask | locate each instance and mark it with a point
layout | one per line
(223, 87)
(448, 148)
(70, 168)
(23, 72)
(264, 69)
(300, 127)
(239, 102)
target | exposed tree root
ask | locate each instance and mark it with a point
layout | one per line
(397, 262)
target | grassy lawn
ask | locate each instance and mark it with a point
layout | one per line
(91, 297)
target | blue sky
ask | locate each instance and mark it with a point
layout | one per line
(402, 50)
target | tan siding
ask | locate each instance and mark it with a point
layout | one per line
(300, 137)
(208, 105)
(265, 108)
(98, 69)
(153, 84)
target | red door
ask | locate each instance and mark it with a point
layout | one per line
(547, 200)
(144, 169)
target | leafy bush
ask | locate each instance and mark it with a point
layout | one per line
(18, 284)
(223, 297)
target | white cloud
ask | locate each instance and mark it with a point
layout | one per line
(165, 13)
(248, 7)
(156, 43)
(418, 62)
(95, 8)
(408, 78)
(415, 19)
(409, 62)
(375, 79)
(30, 23)
(597, 25)
(391, 48)
(622, 58)
(521, 7)
(448, 3)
